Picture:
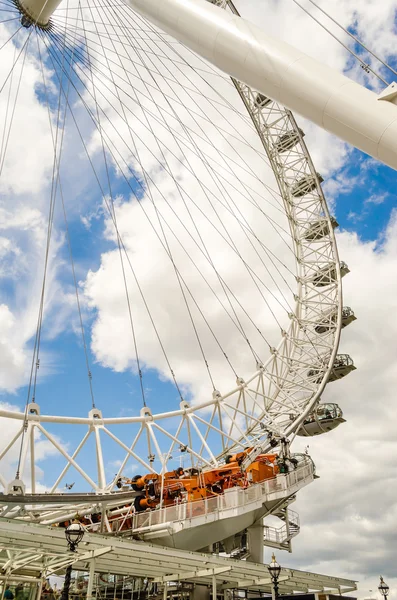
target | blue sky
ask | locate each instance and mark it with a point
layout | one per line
(366, 196)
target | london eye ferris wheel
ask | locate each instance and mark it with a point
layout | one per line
(222, 263)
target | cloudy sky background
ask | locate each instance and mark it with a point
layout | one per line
(348, 516)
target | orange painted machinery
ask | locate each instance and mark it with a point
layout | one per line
(189, 485)
(193, 484)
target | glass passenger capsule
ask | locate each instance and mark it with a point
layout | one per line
(319, 229)
(327, 275)
(261, 101)
(324, 418)
(306, 184)
(288, 140)
(328, 320)
(343, 365)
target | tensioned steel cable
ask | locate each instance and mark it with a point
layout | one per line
(118, 233)
(69, 243)
(60, 125)
(129, 12)
(200, 237)
(274, 193)
(134, 338)
(169, 252)
(24, 49)
(150, 52)
(191, 97)
(147, 50)
(189, 290)
(188, 232)
(219, 187)
(133, 191)
(57, 18)
(8, 20)
(36, 350)
(353, 37)
(5, 120)
(6, 42)
(360, 60)
(262, 244)
(10, 76)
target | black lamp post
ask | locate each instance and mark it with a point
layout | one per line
(74, 534)
(383, 588)
(274, 570)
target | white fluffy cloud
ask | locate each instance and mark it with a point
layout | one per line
(348, 515)
(26, 160)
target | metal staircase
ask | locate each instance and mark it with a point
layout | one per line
(280, 537)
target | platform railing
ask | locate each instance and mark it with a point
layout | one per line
(233, 498)
(281, 535)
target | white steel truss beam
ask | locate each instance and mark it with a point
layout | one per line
(72, 558)
(199, 573)
(130, 557)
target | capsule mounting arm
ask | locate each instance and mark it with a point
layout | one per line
(281, 72)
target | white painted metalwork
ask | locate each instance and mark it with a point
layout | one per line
(280, 537)
(283, 73)
(133, 558)
(38, 13)
(270, 403)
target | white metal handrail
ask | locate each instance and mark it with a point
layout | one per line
(280, 535)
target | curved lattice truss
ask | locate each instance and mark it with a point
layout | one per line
(271, 401)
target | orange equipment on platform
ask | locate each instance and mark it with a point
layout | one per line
(188, 485)
(192, 484)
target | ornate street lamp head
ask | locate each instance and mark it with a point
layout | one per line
(383, 587)
(274, 568)
(74, 534)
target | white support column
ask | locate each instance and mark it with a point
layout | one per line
(99, 459)
(39, 590)
(203, 441)
(255, 542)
(281, 72)
(32, 462)
(91, 578)
(214, 587)
(24, 453)
(127, 456)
